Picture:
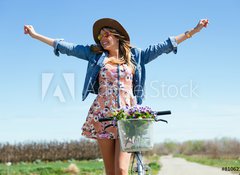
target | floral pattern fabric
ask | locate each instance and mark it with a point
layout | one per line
(115, 91)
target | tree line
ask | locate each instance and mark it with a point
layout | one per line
(87, 149)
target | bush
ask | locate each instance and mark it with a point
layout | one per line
(217, 148)
(86, 150)
(49, 151)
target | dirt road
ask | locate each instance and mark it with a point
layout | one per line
(178, 166)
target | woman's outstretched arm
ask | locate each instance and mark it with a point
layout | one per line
(28, 29)
(59, 45)
(202, 23)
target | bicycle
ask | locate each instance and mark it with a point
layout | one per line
(133, 141)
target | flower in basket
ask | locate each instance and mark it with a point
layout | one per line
(134, 124)
(135, 112)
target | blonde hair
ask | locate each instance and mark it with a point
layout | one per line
(124, 49)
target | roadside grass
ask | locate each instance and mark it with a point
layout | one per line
(86, 167)
(91, 167)
(153, 163)
(221, 162)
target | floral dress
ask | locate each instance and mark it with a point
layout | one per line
(115, 91)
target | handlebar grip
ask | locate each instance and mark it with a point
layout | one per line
(161, 120)
(105, 119)
(163, 112)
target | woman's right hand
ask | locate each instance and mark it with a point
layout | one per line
(28, 29)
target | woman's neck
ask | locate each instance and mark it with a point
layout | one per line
(114, 53)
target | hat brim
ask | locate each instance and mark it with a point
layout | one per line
(108, 22)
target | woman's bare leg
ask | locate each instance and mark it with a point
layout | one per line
(122, 160)
(107, 148)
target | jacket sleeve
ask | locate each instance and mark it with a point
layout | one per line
(70, 49)
(153, 51)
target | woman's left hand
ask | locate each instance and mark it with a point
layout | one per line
(202, 23)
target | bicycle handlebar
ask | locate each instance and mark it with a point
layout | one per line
(106, 119)
(163, 112)
(156, 119)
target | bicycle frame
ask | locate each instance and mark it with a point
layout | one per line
(141, 168)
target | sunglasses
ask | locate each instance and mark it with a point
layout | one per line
(105, 34)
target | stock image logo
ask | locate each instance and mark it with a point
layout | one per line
(61, 87)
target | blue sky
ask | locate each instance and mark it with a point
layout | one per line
(199, 84)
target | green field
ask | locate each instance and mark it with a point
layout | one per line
(91, 167)
(52, 168)
(212, 162)
(221, 162)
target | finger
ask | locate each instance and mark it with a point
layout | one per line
(206, 23)
(25, 30)
(202, 23)
(26, 27)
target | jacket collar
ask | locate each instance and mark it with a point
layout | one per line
(101, 59)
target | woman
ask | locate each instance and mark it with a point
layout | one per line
(116, 72)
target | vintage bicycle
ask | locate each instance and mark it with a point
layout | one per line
(136, 135)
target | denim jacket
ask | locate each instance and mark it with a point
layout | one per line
(95, 62)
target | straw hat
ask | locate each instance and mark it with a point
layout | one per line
(108, 22)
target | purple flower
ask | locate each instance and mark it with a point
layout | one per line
(135, 112)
